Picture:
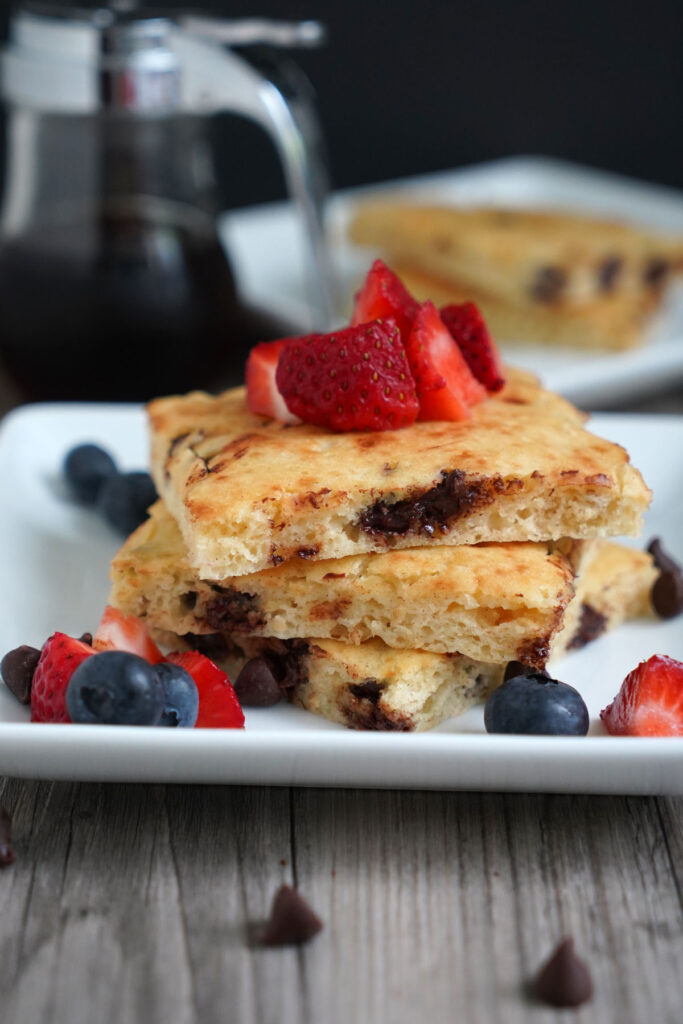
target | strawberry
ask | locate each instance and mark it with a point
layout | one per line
(383, 296)
(219, 707)
(467, 327)
(650, 701)
(263, 397)
(119, 632)
(59, 659)
(355, 379)
(445, 386)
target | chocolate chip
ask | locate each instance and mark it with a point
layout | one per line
(655, 272)
(517, 668)
(548, 283)
(608, 272)
(17, 669)
(291, 920)
(592, 624)
(564, 980)
(256, 686)
(667, 591)
(7, 855)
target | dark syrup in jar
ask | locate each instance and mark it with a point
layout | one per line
(124, 304)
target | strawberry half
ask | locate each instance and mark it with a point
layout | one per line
(445, 386)
(119, 632)
(650, 701)
(263, 397)
(467, 327)
(219, 707)
(355, 379)
(59, 659)
(383, 296)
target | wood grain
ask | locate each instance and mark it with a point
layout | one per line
(140, 904)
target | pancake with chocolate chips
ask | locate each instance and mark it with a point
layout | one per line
(491, 602)
(249, 492)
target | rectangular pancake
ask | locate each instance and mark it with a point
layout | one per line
(491, 602)
(249, 492)
(614, 586)
(371, 686)
(611, 323)
(549, 258)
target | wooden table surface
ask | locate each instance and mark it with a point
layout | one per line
(140, 904)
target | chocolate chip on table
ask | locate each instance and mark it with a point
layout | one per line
(667, 590)
(291, 920)
(256, 685)
(7, 855)
(17, 669)
(564, 980)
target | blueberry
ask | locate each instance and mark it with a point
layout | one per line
(536, 705)
(125, 498)
(115, 688)
(86, 468)
(181, 700)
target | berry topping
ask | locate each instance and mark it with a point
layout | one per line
(291, 920)
(355, 379)
(219, 707)
(181, 700)
(650, 701)
(263, 397)
(536, 705)
(119, 632)
(667, 590)
(125, 498)
(60, 658)
(564, 980)
(86, 468)
(384, 296)
(115, 688)
(256, 686)
(468, 329)
(445, 386)
(17, 669)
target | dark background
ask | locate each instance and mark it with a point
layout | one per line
(409, 87)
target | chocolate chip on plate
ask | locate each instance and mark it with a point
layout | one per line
(256, 686)
(291, 920)
(667, 590)
(17, 669)
(7, 855)
(564, 980)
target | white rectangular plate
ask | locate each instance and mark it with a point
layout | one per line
(266, 245)
(55, 577)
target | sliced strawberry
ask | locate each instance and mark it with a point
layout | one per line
(445, 386)
(650, 701)
(355, 379)
(263, 397)
(219, 707)
(119, 632)
(384, 295)
(59, 659)
(467, 327)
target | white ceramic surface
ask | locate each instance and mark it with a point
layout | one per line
(54, 576)
(267, 248)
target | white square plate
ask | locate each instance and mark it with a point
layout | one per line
(55, 577)
(266, 246)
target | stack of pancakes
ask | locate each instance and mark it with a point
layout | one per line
(536, 276)
(387, 578)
